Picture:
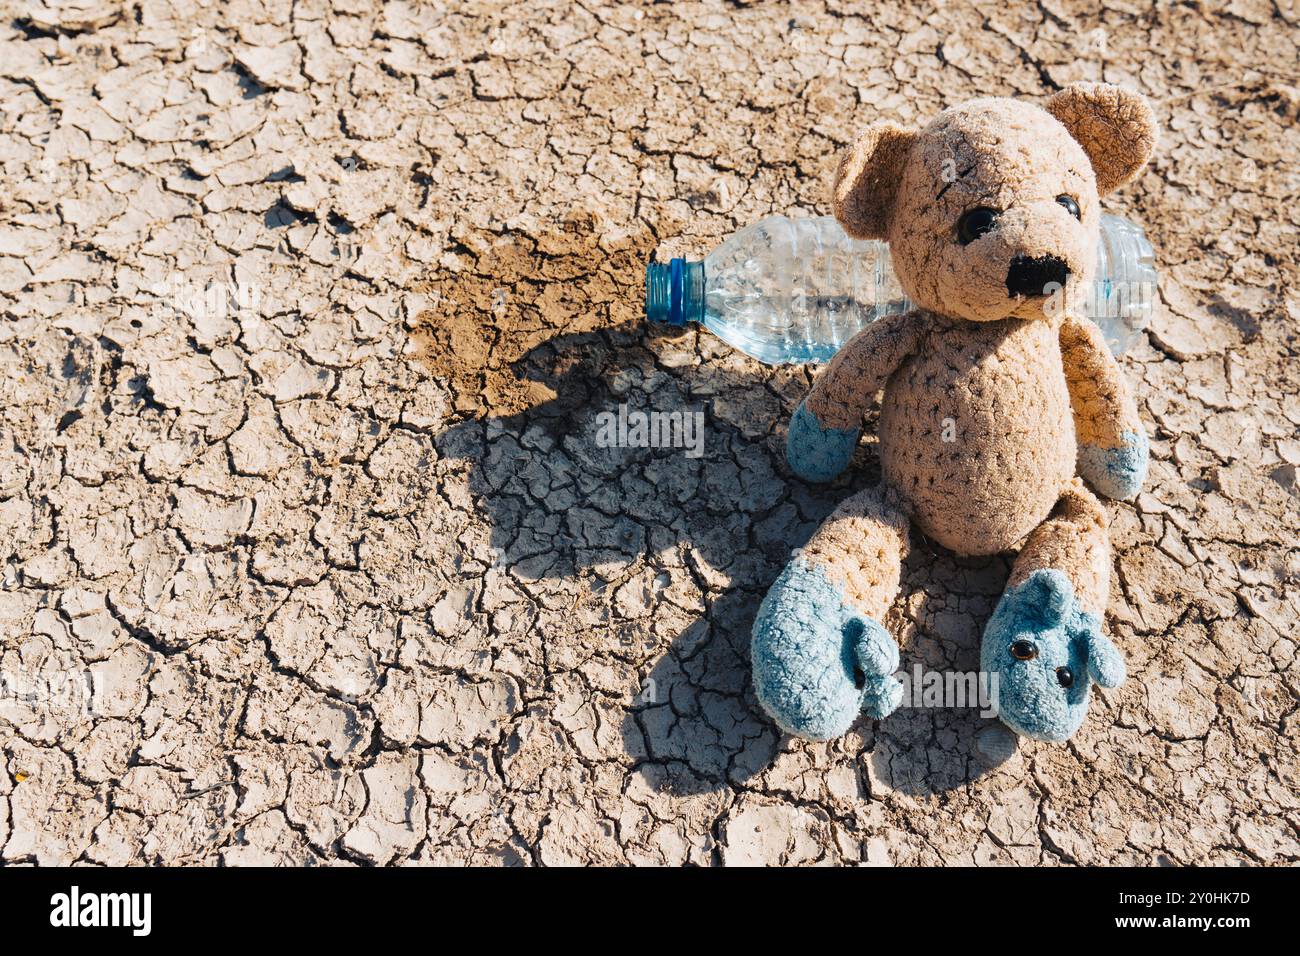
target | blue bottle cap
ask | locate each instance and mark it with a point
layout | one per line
(674, 291)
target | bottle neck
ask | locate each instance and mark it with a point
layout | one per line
(674, 291)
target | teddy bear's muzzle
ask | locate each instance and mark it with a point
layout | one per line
(1035, 276)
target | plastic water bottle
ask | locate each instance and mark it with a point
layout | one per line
(795, 290)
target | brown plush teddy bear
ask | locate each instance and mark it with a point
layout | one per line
(1000, 400)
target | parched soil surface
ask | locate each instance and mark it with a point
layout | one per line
(309, 552)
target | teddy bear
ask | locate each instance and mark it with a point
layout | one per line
(1002, 413)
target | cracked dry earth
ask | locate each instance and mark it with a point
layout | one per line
(309, 553)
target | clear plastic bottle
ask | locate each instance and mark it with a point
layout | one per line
(795, 290)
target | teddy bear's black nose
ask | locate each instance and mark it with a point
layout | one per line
(1032, 276)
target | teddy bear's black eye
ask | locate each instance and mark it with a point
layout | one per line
(1065, 677)
(1070, 205)
(974, 223)
(1024, 650)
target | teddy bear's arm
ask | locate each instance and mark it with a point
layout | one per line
(825, 428)
(1113, 446)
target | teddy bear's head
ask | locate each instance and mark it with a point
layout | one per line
(991, 211)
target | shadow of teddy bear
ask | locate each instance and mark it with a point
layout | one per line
(650, 534)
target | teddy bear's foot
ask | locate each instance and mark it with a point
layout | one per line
(818, 663)
(1041, 651)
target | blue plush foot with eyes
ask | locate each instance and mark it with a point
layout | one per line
(818, 663)
(1045, 652)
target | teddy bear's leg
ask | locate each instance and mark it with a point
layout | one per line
(820, 654)
(1044, 644)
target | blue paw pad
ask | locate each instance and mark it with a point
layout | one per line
(817, 662)
(1042, 652)
(1117, 472)
(815, 453)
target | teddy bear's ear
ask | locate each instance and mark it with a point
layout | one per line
(867, 180)
(1115, 127)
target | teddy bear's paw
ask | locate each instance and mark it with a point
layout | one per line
(816, 453)
(818, 663)
(1041, 652)
(1116, 472)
